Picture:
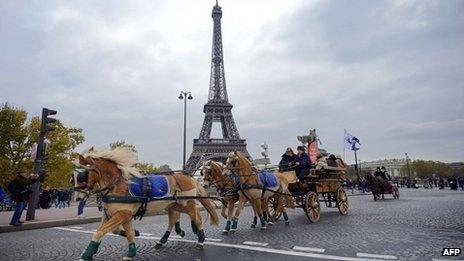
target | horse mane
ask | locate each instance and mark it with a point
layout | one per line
(245, 164)
(124, 159)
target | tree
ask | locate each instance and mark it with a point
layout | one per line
(146, 167)
(424, 169)
(123, 144)
(17, 137)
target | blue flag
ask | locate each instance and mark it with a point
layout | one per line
(351, 141)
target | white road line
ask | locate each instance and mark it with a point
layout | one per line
(146, 234)
(375, 256)
(252, 243)
(309, 249)
(441, 259)
(245, 247)
(76, 227)
(213, 239)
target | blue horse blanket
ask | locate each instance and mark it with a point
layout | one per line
(157, 186)
(268, 179)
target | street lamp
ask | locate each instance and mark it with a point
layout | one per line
(185, 96)
(407, 165)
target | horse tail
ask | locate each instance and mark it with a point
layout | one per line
(206, 202)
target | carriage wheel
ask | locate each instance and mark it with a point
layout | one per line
(396, 193)
(342, 201)
(312, 207)
(272, 206)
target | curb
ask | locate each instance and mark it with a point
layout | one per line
(64, 222)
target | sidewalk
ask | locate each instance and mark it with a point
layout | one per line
(51, 217)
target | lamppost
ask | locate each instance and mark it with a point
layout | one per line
(184, 96)
(407, 165)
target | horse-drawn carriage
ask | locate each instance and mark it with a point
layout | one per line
(322, 185)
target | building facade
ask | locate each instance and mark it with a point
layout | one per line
(393, 166)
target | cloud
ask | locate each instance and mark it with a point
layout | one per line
(388, 71)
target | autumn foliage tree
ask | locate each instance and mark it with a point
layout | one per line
(17, 138)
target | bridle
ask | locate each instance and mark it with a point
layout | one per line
(101, 192)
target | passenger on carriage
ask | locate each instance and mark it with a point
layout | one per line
(321, 162)
(377, 172)
(302, 164)
(332, 161)
(384, 174)
(287, 163)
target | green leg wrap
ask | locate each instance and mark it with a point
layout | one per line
(165, 237)
(263, 223)
(201, 236)
(177, 228)
(285, 216)
(227, 228)
(234, 224)
(255, 221)
(132, 251)
(194, 227)
(91, 250)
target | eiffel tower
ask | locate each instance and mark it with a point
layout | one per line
(217, 109)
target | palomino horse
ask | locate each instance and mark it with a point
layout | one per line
(213, 175)
(113, 170)
(250, 188)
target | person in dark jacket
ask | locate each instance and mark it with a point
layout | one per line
(302, 163)
(384, 174)
(21, 193)
(377, 172)
(287, 162)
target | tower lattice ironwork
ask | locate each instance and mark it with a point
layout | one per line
(217, 109)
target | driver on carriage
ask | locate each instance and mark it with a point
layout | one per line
(287, 163)
(302, 164)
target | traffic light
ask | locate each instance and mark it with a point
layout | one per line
(47, 122)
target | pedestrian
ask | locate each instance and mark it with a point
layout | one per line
(19, 187)
(80, 196)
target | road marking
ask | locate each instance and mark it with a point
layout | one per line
(308, 249)
(76, 227)
(146, 234)
(252, 243)
(175, 236)
(375, 256)
(244, 247)
(213, 239)
(440, 259)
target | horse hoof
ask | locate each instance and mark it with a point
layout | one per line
(270, 223)
(225, 232)
(232, 230)
(263, 228)
(287, 222)
(200, 245)
(159, 244)
(182, 234)
(253, 226)
(127, 258)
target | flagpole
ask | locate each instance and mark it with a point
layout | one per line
(344, 135)
(356, 164)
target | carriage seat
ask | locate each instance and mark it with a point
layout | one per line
(151, 186)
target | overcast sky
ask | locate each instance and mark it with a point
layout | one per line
(390, 72)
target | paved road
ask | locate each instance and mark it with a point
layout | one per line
(415, 227)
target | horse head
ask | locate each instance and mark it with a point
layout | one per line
(99, 171)
(232, 161)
